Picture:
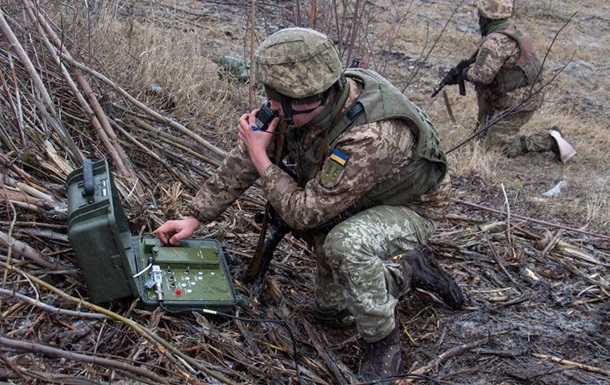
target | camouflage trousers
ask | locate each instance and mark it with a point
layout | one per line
(355, 269)
(504, 135)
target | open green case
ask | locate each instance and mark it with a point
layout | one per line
(117, 265)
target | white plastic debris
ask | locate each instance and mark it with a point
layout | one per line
(556, 190)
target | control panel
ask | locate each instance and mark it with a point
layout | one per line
(194, 272)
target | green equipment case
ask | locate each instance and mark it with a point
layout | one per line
(117, 265)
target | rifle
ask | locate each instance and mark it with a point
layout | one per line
(454, 74)
(267, 243)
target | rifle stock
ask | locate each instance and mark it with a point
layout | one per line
(267, 243)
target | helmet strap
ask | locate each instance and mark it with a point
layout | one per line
(327, 116)
(289, 112)
(287, 109)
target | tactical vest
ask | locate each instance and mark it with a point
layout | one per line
(378, 101)
(528, 69)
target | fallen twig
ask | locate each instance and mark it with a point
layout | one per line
(28, 252)
(456, 200)
(48, 350)
(562, 361)
(433, 365)
(163, 346)
(51, 309)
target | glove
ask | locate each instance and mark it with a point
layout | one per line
(452, 77)
(464, 73)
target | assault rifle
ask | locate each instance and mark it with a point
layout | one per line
(455, 75)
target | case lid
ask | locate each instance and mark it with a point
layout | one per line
(99, 233)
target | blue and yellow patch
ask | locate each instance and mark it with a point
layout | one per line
(339, 157)
(333, 169)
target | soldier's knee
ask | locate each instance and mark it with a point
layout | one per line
(349, 244)
(337, 246)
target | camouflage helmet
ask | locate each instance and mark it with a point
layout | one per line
(297, 62)
(495, 9)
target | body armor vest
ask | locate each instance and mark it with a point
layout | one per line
(378, 101)
(528, 68)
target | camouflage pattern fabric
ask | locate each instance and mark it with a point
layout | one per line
(499, 52)
(504, 135)
(495, 9)
(355, 269)
(376, 151)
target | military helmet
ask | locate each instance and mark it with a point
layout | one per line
(495, 9)
(297, 62)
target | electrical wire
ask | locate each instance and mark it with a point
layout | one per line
(143, 271)
(279, 322)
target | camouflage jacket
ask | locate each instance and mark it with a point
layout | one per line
(376, 151)
(498, 56)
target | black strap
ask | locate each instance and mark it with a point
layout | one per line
(354, 112)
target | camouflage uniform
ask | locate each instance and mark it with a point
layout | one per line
(354, 270)
(505, 61)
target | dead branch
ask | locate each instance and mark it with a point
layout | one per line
(167, 349)
(433, 365)
(47, 350)
(207, 145)
(33, 74)
(479, 207)
(28, 252)
(562, 361)
(49, 308)
(98, 118)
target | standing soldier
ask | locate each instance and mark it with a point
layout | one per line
(507, 75)
(371, 183)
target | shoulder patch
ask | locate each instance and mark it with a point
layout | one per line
(333, 169)
(339, 157)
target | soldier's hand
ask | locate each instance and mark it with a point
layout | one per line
(172, 232)
(464, 73)
(452, 77)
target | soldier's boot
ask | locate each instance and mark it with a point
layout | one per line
(332, 317)
(561, 148)
(422, 271)
(382, 358)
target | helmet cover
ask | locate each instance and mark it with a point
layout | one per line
(495, 9)
(297, 62)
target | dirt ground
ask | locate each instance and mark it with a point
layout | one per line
(535, 274)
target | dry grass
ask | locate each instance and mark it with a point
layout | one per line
(157, 55)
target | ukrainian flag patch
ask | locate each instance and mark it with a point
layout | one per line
(333, 169)
(339, 157)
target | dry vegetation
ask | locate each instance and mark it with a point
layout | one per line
(136, 82)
